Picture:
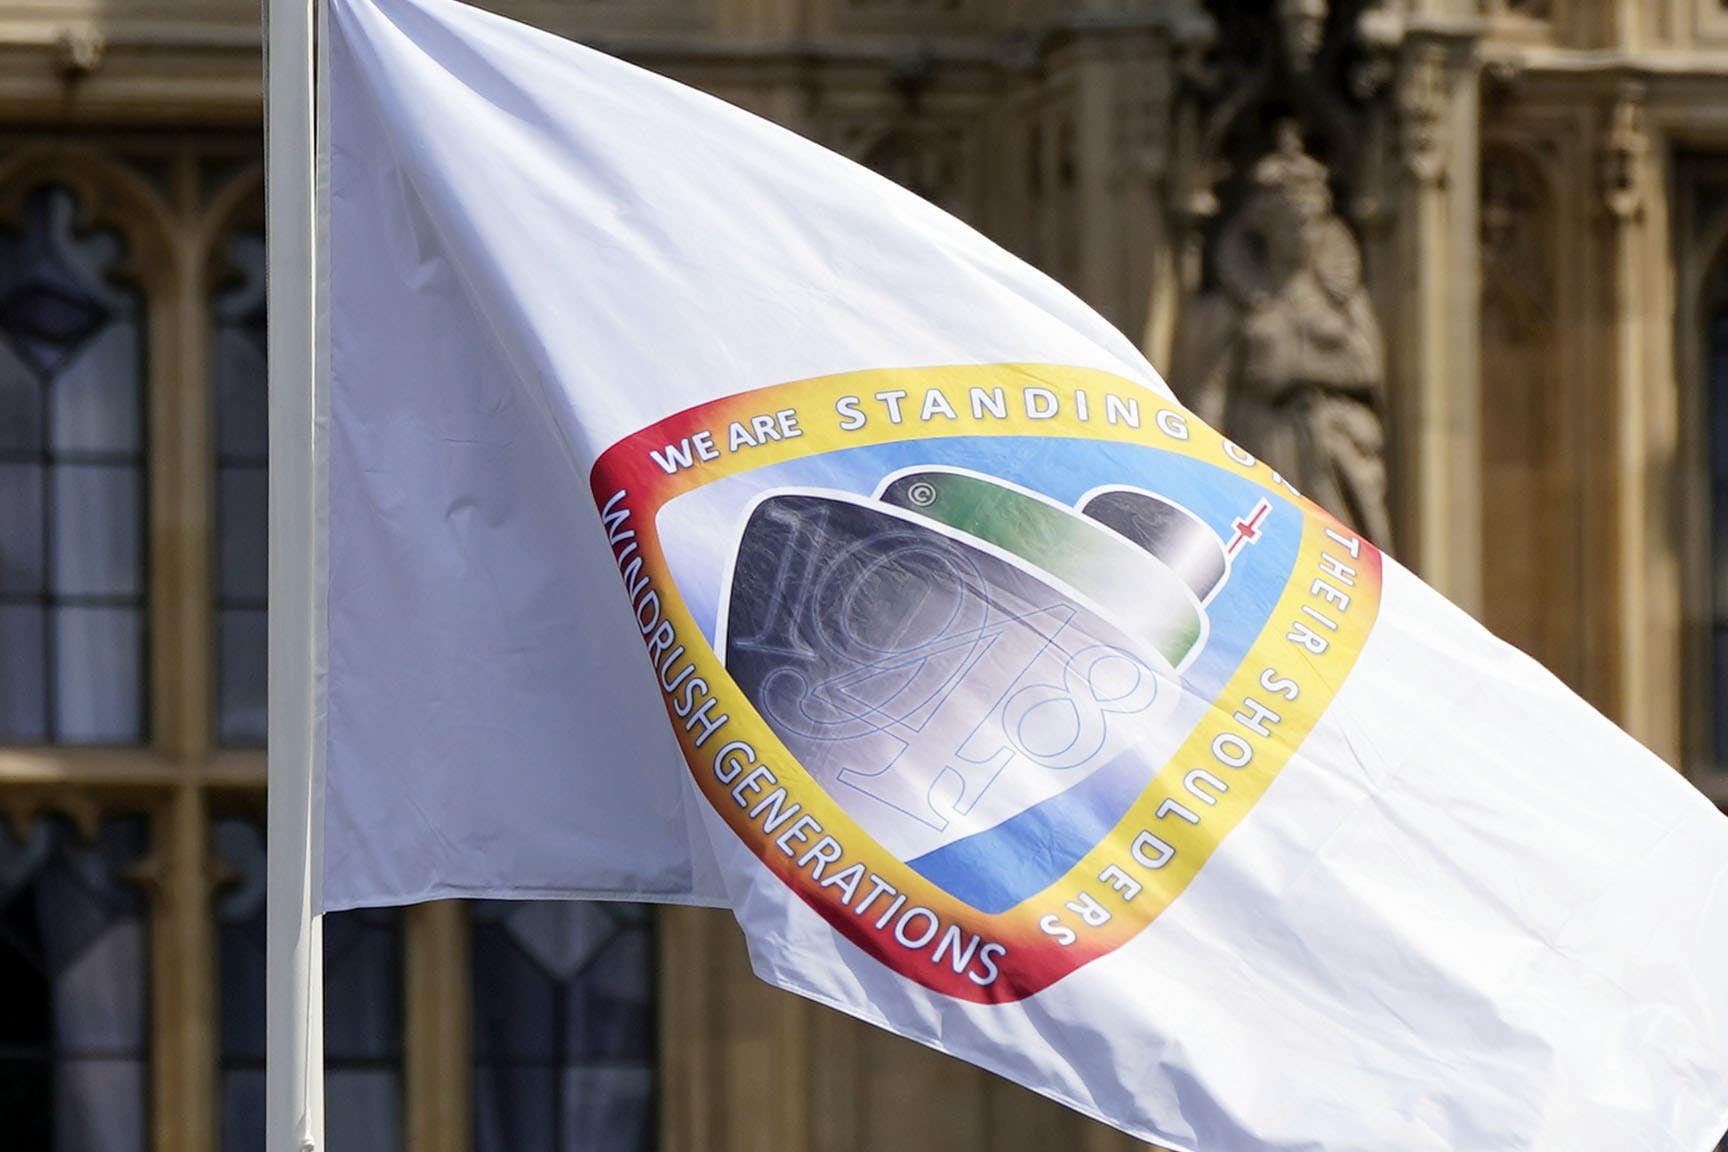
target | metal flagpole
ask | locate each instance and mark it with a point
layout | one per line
(294, 1076)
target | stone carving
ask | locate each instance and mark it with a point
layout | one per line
(1624, 148)
(78, 52)
(1339, 68)
(1422, 95)
(1285, 354)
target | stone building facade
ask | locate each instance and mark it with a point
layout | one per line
(1462, 260)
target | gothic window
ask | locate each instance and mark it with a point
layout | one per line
(74, 1014)
(363, 1024)
(242, 498)
(72, 501)
(239, 846)
(132, 963)
(363, 1009)
(1715, 350)
(563, 1027)
(1701, 274)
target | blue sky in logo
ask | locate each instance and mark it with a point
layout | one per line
(1001, 866)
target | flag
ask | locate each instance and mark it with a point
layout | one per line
(710, 520)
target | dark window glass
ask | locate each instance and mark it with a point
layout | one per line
(72, 499)
(1716, 348)
(74, 1014)
(564, 1027)
(363, 1009)
(242, 499)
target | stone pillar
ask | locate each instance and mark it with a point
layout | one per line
(438, 1048)
(1640, 622)
(183, 980)
(737, 1056)
(1121, 62)
(1436, 392)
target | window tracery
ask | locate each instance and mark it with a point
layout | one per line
(74, 960)
(72, 482)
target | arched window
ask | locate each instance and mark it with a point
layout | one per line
(363, 990)
(562, 993)
(363, 1008)
(74, 1016)
(1714, 349)
(78, 940)
(564, 1027)
(242, 493)
(72, 499)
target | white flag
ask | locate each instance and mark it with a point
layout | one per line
(711, 520)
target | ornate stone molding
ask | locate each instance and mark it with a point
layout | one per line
(1625, 145)
(108, 192)
(1153, 56)
(1423, 94)
(79, 51)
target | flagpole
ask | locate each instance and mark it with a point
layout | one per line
(294, 1041)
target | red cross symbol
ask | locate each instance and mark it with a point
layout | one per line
(1248, 529)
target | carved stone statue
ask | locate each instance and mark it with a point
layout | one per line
(1286, 356)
